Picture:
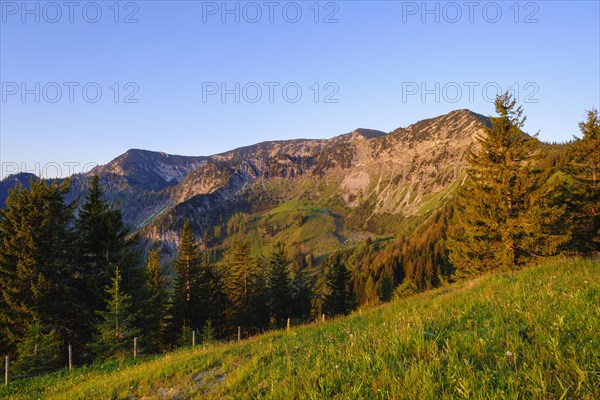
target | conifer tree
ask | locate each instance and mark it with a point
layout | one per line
(188, 306)
(584, 168)
(157, 299)
(279, 285)
(301, 294)
(39, 351)
(494, 225)
(35, 261)
(338, 298)
(101, 244)
(115, 330)
(243, 283)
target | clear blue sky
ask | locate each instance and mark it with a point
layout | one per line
(372, 61)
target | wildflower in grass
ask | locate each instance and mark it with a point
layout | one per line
(509, 353)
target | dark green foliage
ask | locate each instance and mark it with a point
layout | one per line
(39, 351)
(498, 224)
(35, 262)
(115, 330)
(101, 243)
(584, 168)
(209, 334)
(338, 296)
(279, 286)
(245, 283)
(302, 293)
(156, 303)
(189, 287)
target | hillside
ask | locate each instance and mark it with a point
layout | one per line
(528, 334)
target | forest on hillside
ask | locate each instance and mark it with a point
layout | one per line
(72, 274)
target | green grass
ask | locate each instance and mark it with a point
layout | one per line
(533, 334)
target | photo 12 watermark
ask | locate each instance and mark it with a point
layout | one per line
(253, 12)
(452, 12)
(47, 170)
(472, 92)
(54, 12)
(69, 92)
(269, 92)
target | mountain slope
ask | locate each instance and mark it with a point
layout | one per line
(530, 334)
(372, 181)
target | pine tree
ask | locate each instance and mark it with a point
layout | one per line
(158, 297)
(35, 261)
(584, 168)
(339, 298)
(188, 306)
(38, 351)
(279, 286)
(115, 330)
(494, 227)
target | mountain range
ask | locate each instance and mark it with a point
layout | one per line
(312, 194)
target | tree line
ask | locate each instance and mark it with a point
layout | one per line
(70, 273)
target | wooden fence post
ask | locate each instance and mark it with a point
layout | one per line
(193, 338)
(323, 317)
(6, 370)
(70, 357)
(135, 347)
(288, 324)
(239, 333)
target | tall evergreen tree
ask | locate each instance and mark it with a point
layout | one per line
(157, 299)
(279, 286)
(584, 168)
(243, 285)
(301, 293)
(101, 243)
(494, 226)
(35, 261)
(115, 330)
(339, 298)
(189, 305)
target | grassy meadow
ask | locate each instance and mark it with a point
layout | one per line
(532, 334)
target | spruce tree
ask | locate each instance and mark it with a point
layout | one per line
(243, 283)
(338, 298)
(189, 305)
(584, 168)
(115, 330)
(35, 262)
(280, 293)
(101, 244)
(157, 299)
(301, 294)
(39, 351)
(494, 225)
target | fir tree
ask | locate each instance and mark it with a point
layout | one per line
(301, 294)
(584, 168)
(339, 298)
(38, 351)
(188, 306)
(244, 283)
(101, 243)
(35, 262)
(158, 297)
(494, 226)
(115, 331)
(279, 286)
